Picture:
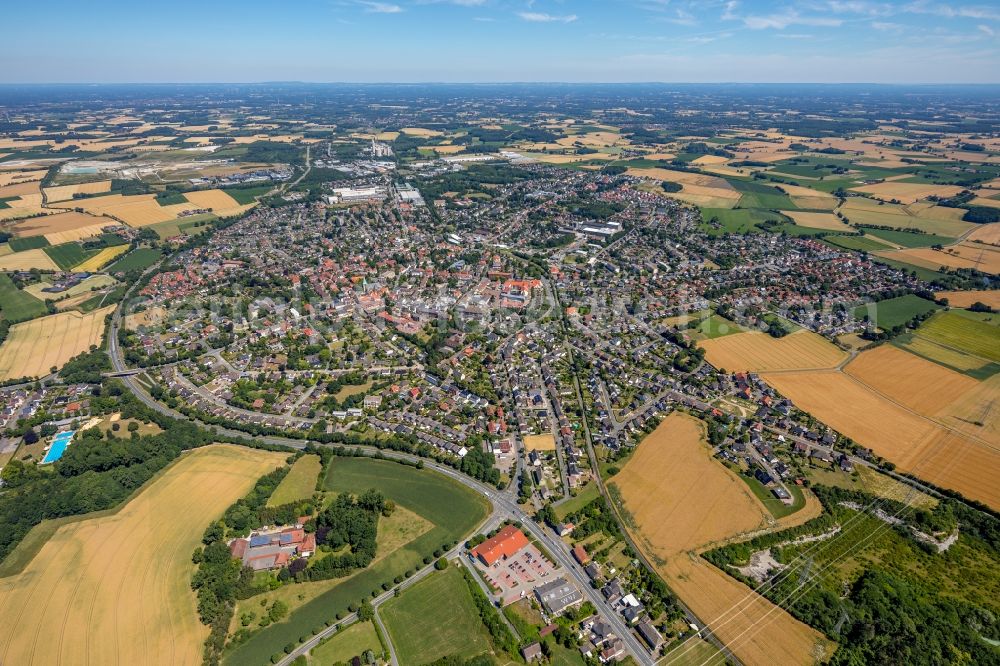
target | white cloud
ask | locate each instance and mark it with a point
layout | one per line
(380, 7)
(950, 11)
(987, 30)
(782, 20)
(885, 26)
(540, 17)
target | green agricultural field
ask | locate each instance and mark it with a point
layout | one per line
(16, 305)
(736, 220)
(861, 243)
(138, 259)
(896, 311)
(346, 644)
(965, 334)
(29, 243)
(758, 195)
(909, 239)
(247, 195)
(68, 255)
(435, 618)
(300, 482)
(453, 509)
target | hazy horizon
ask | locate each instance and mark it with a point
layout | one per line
(460, 41)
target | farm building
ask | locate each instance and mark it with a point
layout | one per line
(273, 549)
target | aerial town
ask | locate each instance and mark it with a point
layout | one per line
(466, 381)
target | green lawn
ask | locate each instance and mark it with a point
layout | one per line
(138, 259)
(342, 646)
(715, 326)
(68, 255)
(693, 651)
(963, 333)
(895, 311)
(16, 305)
(454, 510)
(247, 195)
(435, 618)
(299, 484)
(777, 508)
(29, 243)
(582, 499)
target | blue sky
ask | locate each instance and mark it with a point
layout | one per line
(911, 41)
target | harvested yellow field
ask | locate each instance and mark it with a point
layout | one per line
(26, 260)
(15, 177)
(964, 299)
(387, 136)
(985, 258)
(922, 215)
(420, 131)
(65, 608)
(916, 444)
(907, 192)
(57, 223)
(557, 158)
(218, 201)
(988, 203)
(973, 412)
(698, 189)
(753, 351)
(34, 347)
(23, 206)
(986, 233)
(18, 189)
(135, 210)
(799, 191)
(679, 501)
(591, 140)
(101, 259)
(816, 203)
(540, 443)
(65, 192)
(827, 221)
(75, 234)
(708, 160)
(448, 149)
(919, 384)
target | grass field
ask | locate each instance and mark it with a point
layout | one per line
(138, 259)
(715, 326)
(693, 651)
(758, 195)
(68, 255)
(416, 625)
(577, 502)
(17, 305)
(895, 311)
(735, 221)
(117, 588)
(247, 195)
(860, 243)
(33, 347)
(30, 243)
(680, 500)
(299, 484)
(910, 239)
(453, 509)
(758, 352)
(342, 646)
(967, 335)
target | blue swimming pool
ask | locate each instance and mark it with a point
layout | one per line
(59, 444)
